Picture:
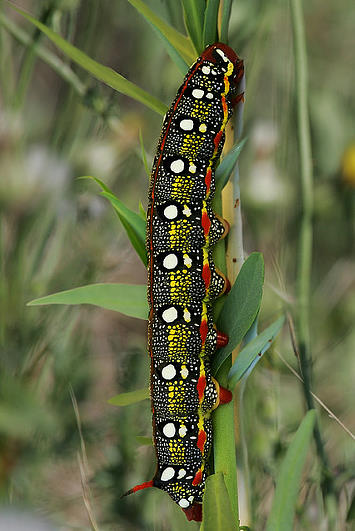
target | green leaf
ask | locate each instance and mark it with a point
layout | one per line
(133, 224)
(217, 512)
(132, 397)
(144, 157)
(194, 14)
(227, 165)
(289, 478)
(226, 13)
(253, 352)
(241, 306)
(101, 72)
(129, 299)
(176, 40)
(210, 32)
(142, 212)
(144, 441)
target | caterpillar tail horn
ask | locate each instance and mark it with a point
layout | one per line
(142, 486)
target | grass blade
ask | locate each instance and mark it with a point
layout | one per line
(226, 13)
(217, 512)
(129, 299)
(253, 352)
(210, 31)
(227, 165)
(194, 14)
(176, 40)
(101, 72)
(287, 485)
(133, 224)
(241, 306)
(132, 397)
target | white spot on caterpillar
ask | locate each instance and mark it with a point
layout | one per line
(184, 372)
(206, 70)
(186, 211)
(184, 503)
(181, 473)
(169, 430)
(168, 372)
(167, 474)
(222, 54)
(177, 166)
(187, 125)
(187, 260)
(203, 128)
(170, 212)
(170, 261)
(198, 93)
(214, 72)
(209, 95)
(191, 499)
(192, 168)
(187, 315)
(182, 431)
(170, 314)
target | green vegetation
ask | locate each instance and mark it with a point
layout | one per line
(64, 449)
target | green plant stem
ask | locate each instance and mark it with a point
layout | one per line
(304, 268)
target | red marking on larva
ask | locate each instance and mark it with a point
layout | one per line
(201, 386)
(201, 440)
(217, 139)
(222, 339)
(203, 331)
(198, 478)
(227, 286)
(225, 396)
(142, 486)
(208, 179)
(194, 512)
(206, 275)
(206, 223)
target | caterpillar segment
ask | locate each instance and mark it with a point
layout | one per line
(183, 281)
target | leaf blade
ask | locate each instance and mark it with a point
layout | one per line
(210, 30)
(194, 13)
(227, 165)
(129, 299)
(217, 512)
(131, 397)
(253, 351)
(245, 298)
(283, 507)
(101, 72)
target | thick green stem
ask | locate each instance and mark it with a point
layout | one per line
(304, 269)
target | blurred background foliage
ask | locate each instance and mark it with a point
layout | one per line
(56, 233)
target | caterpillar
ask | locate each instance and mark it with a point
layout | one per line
(182, 278)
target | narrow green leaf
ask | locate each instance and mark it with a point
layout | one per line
(253, 352)
(144, 157)
(174, 55)
(226, 13)
(101, 72)
(132, 397)
(178, 42)
(217, 512)
(241, 306)
(210, 31)
(133, 224)
(144, 441)
(227, 165)
(289, 478)
(142, 212)
(194, 14)
(129, 299)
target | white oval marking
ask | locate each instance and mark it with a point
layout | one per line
(192, 168)
(177, 166)
(169, 430)
(186, 211)
(170, 314)
(170, 261)
(187, 260)
(183, 431)
(167, 474)
(209, 95)
(181, 473)
(187, 315)
(170, 212)
(187, 125)
(214, 72)
(198, 93)
(222, 54)
(191, 499)
(184, 373)
(203, 128)
(206, 70)
(168, 372)
(184, 503)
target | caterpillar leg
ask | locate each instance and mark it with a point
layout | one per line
(194, 512)
(222, 339)
(224, 395)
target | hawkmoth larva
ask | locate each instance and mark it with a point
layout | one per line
(182, 279)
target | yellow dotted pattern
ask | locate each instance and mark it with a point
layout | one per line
(178, 336)
(181, 188)
(180, 285)
(177, 452)
(201, 110)
(192, 144)
(179, 234)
